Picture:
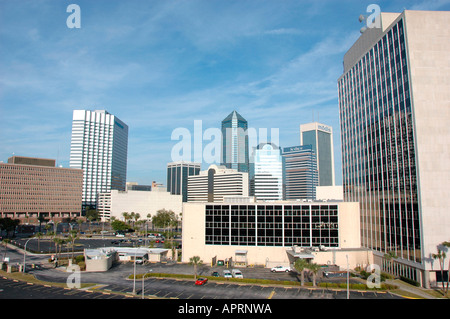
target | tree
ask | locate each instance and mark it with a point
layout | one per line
(441, 257)
(119, 225)
(447, 245)
(8, 224)
(126, 216)
(39, 235)
(195, 261)
(164, 218)
(314, 269)
(91, 214)
(72, 238)
(301, 265)
(41, 219)
(389, 256)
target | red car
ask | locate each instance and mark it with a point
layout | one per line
(201, 281)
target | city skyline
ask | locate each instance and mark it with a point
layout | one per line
(131, 60)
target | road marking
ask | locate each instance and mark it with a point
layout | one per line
(271, 294)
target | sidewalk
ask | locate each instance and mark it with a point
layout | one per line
(411, 289)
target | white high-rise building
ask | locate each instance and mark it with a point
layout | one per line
(267, 181)
(99, 147)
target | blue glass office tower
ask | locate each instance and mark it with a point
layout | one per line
(300, 172)
(235, 143)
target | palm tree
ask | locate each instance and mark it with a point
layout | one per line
(126, 216)
(39, 235)
(315, 269)
(447, 245)
(440, 256)
(389, 256)
(72, 238)
(301, 265)
(41, 219)
(195, 261)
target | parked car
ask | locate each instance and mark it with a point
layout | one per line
(281, 269)
(215, 274)
(237, 273)
(227, 274)
(201, 281)
(120, 235)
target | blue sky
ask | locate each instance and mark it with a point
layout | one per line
(159, 65)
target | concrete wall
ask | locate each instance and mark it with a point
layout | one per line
(349, 238)
(428, 39)
(102, 263)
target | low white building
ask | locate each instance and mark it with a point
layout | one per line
(115, 203)
(274, 233)
(102, 259)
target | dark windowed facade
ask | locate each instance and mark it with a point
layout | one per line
(177, 177)
(272, 225)
(300, 172)
(378, 147)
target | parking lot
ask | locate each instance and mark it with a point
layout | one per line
(16, 289)
(116, 280)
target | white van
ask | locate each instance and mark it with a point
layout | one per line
(237, 273)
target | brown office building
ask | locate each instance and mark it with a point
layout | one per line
(30, 187)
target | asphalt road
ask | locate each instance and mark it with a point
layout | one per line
(115, 280)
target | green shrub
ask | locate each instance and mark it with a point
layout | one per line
(79, 258)
(82, 265)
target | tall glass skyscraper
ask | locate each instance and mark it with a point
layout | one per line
(99, 147)
(267, 179)
(394, 111)
(320, 137)
(235, 143)
(300, 172)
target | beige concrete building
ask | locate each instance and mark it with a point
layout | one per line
(33, 187)
(115, 203)
(394, 99)
(276, 233)
(215, 183)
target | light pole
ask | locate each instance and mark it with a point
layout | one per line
(348, 292)
(150, 270)
(25, 254)
(134, 277)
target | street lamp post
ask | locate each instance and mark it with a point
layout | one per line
(25, 254)
(348, 292)
(143, 294)
(134, 277)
